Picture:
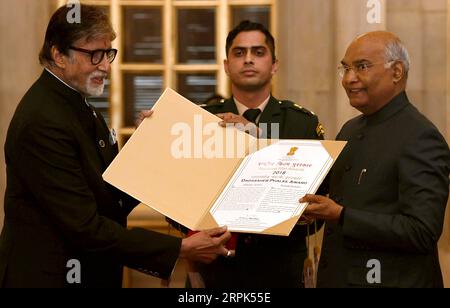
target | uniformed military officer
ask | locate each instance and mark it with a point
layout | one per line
(261, 261)
(389, 187)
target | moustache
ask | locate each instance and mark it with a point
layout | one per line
(99, 75)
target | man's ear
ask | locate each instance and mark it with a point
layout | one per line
(398, 71)
(58, 57)
(225, 66)
(275, 67)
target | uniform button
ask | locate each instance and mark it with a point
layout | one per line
(102, 143)
(248, 240)
(348, 168)
(120, 203)
(329, 231)
(361, 136)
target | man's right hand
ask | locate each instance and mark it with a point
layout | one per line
(206, 246)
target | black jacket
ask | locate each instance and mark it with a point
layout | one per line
(392, 179)
(57, 206)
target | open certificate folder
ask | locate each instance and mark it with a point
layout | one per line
(265, 190)
(181, 163)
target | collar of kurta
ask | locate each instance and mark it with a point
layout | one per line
(394, 106)
(74, 98)
(94, 126)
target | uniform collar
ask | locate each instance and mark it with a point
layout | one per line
(242, 108)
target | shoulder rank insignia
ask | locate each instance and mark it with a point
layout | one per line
(213, 103)
(304, 109)
(320, 130)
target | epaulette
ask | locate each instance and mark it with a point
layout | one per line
(219, 103)
(297, 107)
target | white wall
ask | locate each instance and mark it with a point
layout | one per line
(22, 27)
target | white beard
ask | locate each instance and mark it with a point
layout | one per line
(92, 90)
(95, 91)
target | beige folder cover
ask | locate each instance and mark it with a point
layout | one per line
(184, 189)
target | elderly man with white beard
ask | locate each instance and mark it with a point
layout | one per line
(64, 226)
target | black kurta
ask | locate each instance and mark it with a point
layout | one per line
(57, 206)
(392, 179)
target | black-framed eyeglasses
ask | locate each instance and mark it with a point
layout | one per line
(97, 55)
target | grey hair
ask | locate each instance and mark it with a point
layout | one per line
(396, 51)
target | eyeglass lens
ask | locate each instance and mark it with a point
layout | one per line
(98, 55)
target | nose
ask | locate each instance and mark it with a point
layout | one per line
(248, 57)
(349, 77)
(104, 65)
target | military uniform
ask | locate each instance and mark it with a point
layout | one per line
(295, 121)
(392, 179)
(264, 261)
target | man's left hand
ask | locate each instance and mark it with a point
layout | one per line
(142, 115)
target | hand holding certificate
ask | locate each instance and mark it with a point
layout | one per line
(264, 191)
(188, 168)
